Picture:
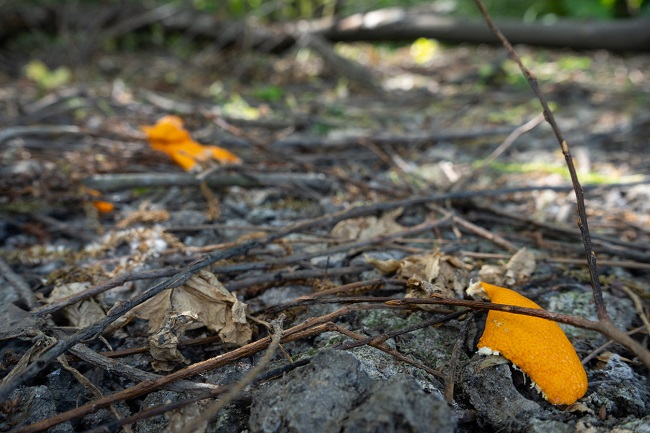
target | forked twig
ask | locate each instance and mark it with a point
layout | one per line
(605, 324)
(577, 188)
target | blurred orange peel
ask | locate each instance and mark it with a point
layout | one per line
(169, 136)
(101, 206)
(537, 346)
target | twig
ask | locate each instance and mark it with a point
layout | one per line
(281, 276)
(605, 327)
(135, 374)
(118, 281)
(378, 343)
(145, 349)
(162, 409)
(101, 288)
(480, 231)
(18, 283)
(604, 346)
(620, 263)
(577, 188)
(608, 243)
(510, 139)
(379, 339)
(90, 387)
(46, 130)
(455, 354)
(115, 182)
(211, 411)
(638, 304)
(382, 138)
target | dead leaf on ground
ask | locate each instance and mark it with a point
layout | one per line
(492, 274)
(207, 301)
(83, 313)
(163, 345)
(446, 274)
(520, 267)
(143, 215)
(367, 227)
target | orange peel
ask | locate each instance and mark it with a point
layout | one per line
(169, 136)
(537, 346)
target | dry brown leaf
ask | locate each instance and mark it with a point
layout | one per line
(213, 207)
(177, 419)
(81, 314)
(163, 345)
(389, 266)
(143, 215)
(492, 274)
(204, 298)
(368, 227)
(520, 267)
(414, 266)
(446, 274)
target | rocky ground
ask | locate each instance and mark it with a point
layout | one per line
(343, 193)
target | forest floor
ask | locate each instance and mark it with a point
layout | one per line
(344, 190)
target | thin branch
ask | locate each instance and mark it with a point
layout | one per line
(453, 361)
(211, 411)
(577, 188)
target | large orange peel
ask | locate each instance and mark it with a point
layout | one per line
(537, 346)
(169, 136)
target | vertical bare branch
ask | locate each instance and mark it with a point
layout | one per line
(548, 115)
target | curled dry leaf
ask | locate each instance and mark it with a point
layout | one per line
(492, 274)
(516, 272)
(143, 215)
(520, 267)
(163, 345)
(206, 300)
(367, 227)
(81, 314)
(444, 274)
(169, 136)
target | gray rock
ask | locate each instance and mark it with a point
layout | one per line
(582, 304)
(619, 389)
(545, 426)
(334, 394)
(632, 424)
(315, 398)
(490, 390)
(399, 405)
(156, 423)
(280, 295)
(35, 403)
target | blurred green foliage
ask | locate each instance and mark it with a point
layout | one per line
(528, 10)
(278, 10)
